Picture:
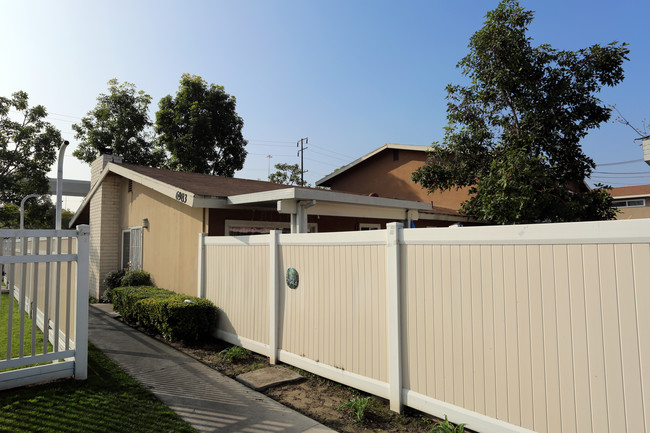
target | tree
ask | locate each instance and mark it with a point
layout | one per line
(120, 121)
(287, 174)
(514, 133)
(200, 129)
(28, 148)
(39, 214)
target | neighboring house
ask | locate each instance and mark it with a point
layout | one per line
(632, 201)
(387, 172)
(151, 218)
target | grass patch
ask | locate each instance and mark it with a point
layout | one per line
(15, 330)
(109, 401)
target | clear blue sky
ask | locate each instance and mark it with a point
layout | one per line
(350, 75)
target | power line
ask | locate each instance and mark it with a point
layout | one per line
(272, 141)
(330, 156)
(622, 172)
(621, 162)
(347, 157)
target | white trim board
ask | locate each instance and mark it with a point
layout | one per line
(30, 375)
(456, 414)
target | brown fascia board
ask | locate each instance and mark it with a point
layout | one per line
(323, 181)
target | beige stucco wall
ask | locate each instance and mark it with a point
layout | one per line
(635, 212)
(170, 244)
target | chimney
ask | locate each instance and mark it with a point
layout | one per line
(646, 149)
(104, 225)
(98, 165)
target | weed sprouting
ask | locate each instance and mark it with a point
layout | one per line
(447, 427)
(358, 406)
(234, 354)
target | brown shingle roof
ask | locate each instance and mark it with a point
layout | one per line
(624, 191)
(205, 184)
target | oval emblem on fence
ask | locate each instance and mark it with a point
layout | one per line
(292, 278)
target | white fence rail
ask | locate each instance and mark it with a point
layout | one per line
(507, 329)
(46, 275)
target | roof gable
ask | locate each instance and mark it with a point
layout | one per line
(356, 162)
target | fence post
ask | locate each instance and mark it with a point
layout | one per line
(81, 322)
(200, 280)
(273, 295)
(393, 279)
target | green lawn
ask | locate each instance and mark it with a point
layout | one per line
(15, 331)
(109, 401)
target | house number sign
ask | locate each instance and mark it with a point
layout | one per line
(292, 278)
(181, 196)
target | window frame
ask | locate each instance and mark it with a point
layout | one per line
(625, 203)
(271, 225)
(133, 235)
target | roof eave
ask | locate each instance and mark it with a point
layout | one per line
(325, 195)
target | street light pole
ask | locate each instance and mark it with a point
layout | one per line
(59, 185)
(22, 209)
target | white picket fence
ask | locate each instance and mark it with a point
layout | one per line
(46, 273)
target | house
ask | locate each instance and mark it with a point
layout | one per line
(387, 171)
(632, 201)
(142, 217)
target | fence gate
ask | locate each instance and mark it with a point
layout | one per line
(44, 305)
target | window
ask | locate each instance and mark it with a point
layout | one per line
(245, 228)
(639, 202)
(132, 248)
(369, 226)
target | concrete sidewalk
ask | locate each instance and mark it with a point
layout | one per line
(206, 399)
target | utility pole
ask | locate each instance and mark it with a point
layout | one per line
(269, 157)
(301, 154)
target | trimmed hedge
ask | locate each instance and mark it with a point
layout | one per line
(136, 278)
(172, 315)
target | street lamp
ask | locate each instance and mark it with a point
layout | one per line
(22, 209)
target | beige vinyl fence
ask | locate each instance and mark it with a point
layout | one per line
(521, 328)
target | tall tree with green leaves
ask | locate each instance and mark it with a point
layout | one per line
(287, 174)
(120, 121)
(40, 213)
(200, 128)
(28, 148)
(514, 132)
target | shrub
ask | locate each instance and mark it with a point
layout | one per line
(174, 316)
(111, 281)
(136, 278)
